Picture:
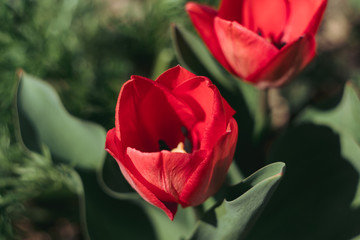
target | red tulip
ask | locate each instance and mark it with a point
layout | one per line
(265, 42)
(174, 138)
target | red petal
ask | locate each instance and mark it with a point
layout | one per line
(203, 19)
(174, 77)
(211, 173)
(168, 171)
(290, 60)
(149, 192)
(112, 144)
(244, 50)
(314, 24)
(265, 17)
(232, 10)
(208, 106)
(229, 111)
(147, 113)
(305, 16)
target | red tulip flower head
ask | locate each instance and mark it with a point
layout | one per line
(174, 138)
(265, 42)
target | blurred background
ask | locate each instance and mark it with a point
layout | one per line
(86, 49)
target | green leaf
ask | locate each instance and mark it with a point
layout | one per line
(170, 230)
(244, 202)
(43, 120)
(318, 198)
(344, 118)
(341, 148)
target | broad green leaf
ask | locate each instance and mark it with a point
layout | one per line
(318, 198)
(356, 238)
(43, 120)
(244, 202)
(350, 150)
(344, 118)
(170, 230)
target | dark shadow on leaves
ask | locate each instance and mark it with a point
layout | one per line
(110, 218)
(113, 177)
(314, 199)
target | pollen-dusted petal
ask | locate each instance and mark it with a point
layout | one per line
(305, 16)
(245, 51)
(174, 77)
(203, 19)
(149, 192)
(290, 61)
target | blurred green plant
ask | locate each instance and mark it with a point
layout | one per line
(84, 48)
(27, 175)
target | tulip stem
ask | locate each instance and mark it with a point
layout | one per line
(262, 114)
(279, 110)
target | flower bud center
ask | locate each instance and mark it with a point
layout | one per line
(184, 146)
(163, 145)
(277, 42)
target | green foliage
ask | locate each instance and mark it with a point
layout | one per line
(316, 198)
(83, 48)
(120, 217)
(27, 175)
(231, 218)
(349, 106)
(321, 188)
(243, 204)
(43, 120)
